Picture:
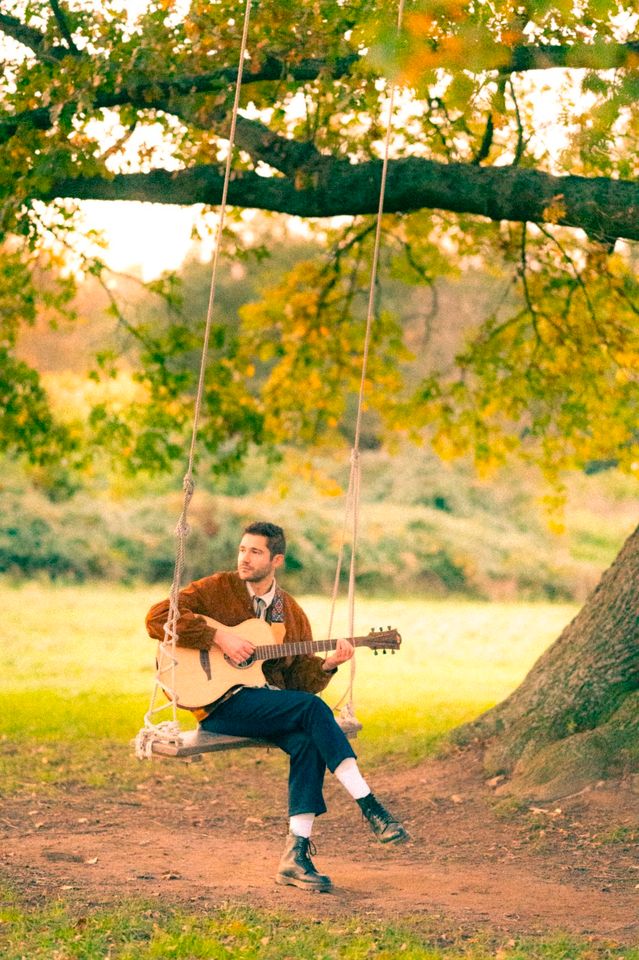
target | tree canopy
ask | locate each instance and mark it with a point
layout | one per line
(513, 150)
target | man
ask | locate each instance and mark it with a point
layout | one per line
(285, 711)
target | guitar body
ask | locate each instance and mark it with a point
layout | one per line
(203, 676)
(196, 678)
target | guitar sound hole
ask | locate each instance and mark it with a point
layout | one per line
(243, 665)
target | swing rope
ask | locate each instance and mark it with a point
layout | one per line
(169, 730)
(352, 509)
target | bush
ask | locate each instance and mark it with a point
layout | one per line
(424, 528)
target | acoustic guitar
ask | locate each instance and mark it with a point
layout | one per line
(197, 678)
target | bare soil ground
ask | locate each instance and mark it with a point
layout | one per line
(476, 860)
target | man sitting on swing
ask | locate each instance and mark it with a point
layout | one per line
(285, 711)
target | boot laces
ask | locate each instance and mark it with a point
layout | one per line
(306, 847)
(377, 811)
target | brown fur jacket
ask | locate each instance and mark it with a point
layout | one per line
(224, 597)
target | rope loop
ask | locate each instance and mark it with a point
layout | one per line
(166, 732)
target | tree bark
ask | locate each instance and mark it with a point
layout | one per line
(605, 209)
(321, 185)
(575, 719)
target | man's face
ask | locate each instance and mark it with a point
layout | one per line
(254, 561)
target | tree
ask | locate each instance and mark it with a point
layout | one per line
(574, 719)
(550, 373)
(87, 88)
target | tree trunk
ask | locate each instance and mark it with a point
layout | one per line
(575, 718)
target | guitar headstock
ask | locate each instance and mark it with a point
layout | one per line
(383, 639)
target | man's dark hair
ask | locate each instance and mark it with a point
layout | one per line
(274, 535)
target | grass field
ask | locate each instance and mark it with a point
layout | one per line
(78, 662)
(78, 669)
(76, 683)
(141, 931)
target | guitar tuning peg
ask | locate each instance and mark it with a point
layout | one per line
(389, 628)
(384, 651)
(393, 652)
(375, 652)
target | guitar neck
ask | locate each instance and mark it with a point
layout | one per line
(271, 651)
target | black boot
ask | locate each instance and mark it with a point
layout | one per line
(384, 825)
(296, 867)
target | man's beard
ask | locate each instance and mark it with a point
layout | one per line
(253, 576)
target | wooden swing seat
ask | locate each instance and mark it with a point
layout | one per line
(193, 743)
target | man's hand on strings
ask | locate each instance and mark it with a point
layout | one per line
(343, 652)
(236, 648)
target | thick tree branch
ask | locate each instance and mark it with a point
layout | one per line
(294, 158)
(601, 54)
(591, 56)
(31, 38)
(291, 157)
(605, 209)
(164, 94)
(158, 94)
(61, 20)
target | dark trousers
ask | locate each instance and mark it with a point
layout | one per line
(301, 724)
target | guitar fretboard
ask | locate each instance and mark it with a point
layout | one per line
(271, 651)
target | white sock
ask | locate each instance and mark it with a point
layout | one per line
(349, 776)
(301, 824)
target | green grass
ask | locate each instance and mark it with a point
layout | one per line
(77, 674)
(76, 683)
(138, 930)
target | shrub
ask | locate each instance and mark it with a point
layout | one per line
(424, 528)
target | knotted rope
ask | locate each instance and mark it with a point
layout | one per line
(165, 677)
(170, 730)
(352, 507)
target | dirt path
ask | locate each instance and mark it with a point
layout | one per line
(475, 860)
